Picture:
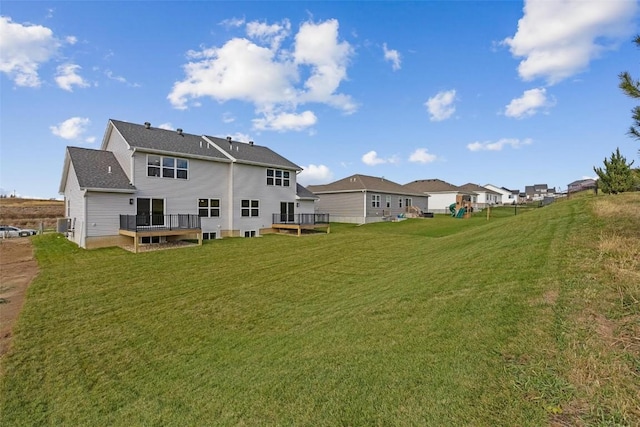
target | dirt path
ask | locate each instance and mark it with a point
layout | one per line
(17, 269)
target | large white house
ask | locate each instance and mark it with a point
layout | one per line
(150, 185)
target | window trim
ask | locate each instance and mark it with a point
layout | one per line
(278, 177)
(212, 207)
(249, 208)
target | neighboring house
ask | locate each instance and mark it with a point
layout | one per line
(538, 192)
(150, 185)
(582, 185)
(363, 199)
(485, 196)
(441, 193)
(508, 197)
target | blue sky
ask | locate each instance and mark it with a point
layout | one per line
(504, 93)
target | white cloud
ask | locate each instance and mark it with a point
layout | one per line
(166, 126)
(271, 34)
(119, 79)
(371, 158)
(393, 56)
(67, 77)
(23, 48)
(440, 106)
(285, 121)
(422, 155)
(528, 104)
(73, 129)
(498, 145)
(314, 174)
(267, 75)
(233, 22)
(558, 39)
(71, 40)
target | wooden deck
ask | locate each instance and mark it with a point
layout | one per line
(160, 232)
(300, 227)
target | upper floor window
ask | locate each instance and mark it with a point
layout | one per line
(167, 167)
(278, 177)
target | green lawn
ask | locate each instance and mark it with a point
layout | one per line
(442, 322)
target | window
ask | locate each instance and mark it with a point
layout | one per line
(251, 233)
(209, 236)
(388, 201)
(279, 178)
(375, 200)
(250, 208)
(399, 202)
(167, 167)
(208, 208)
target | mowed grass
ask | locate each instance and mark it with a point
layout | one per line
(423, 322)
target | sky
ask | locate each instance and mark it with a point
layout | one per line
(507, 93)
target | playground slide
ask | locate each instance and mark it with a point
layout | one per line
(461, 212)
(452, 209)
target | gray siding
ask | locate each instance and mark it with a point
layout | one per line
(342, 207)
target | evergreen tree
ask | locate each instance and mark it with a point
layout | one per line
(631, 88)
(617, 175)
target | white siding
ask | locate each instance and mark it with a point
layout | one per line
(104, 210)
(206, 180)
(75, 207)
(250, 183)
(120, 149)
(306, 207)
(439, 202)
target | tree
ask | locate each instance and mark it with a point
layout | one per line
(631, 88)
(617, 176)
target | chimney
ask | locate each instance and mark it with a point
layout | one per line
(179, 131)
(147, 125)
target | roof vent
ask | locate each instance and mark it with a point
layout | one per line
(109, 169)
(251, 143)
(179, 131)
(147, 125)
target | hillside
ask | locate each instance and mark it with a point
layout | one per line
(30, 213)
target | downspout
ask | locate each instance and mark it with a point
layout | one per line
(83, 228)
(230, 198)
(364, 206)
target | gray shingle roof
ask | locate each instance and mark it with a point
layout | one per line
(303, 193)
(170, 141)
(363, 182)
(434, 186)
(98, 169)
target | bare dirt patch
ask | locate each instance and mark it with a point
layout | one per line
(17, 269)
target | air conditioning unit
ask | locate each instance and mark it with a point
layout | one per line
(63, 225)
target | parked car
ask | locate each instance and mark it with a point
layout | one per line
(10, 231)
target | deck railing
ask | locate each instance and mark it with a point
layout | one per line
(300, 219)
(159, 222)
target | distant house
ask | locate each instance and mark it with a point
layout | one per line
(485, 196)
(148, 185)
(509, 197)
(582, 185)
(538, 192)
(441, 193)
(364, 199)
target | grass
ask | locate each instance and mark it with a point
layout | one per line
(520, 320)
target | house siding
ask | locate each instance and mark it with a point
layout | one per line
(121, 151)
(206, 179)
(250, 183)
(343, 207)
(103, 212)
(440, 202)
(74, 207)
